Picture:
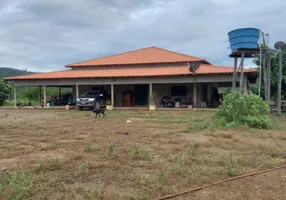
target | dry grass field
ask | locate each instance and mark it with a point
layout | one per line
(58, 154)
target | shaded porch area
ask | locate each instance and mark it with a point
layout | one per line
(179, 92)
(135, 95)
(138, 96)
(187, 95)
(41, 96)
(165, 95)
(170, 96)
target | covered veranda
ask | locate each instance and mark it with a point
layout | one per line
(180, 92)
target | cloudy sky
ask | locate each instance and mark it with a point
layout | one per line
(44, 35)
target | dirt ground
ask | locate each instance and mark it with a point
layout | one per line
(270, 186)
(58, 154)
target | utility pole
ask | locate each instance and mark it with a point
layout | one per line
(264, 75)
(280, 46)
(269, 80)
(279, 83)
(268, 71)
(260, 61)
(264, 60)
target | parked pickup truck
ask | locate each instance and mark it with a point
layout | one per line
(89, 99)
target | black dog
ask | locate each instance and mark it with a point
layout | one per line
(99, 111)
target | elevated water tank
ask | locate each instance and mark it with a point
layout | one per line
(244, 38)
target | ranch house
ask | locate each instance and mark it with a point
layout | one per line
(175, 80)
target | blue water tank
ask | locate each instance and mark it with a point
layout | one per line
(244, 38)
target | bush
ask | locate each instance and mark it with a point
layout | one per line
(258, 122)
(243, 109)
(5, 91)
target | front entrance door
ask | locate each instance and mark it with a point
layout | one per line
(141, 95)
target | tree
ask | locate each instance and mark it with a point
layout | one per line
(273, 77)
(5, 91)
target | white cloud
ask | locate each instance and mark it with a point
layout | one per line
(46, 35)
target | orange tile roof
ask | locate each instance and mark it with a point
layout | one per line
(117, 72)
(147, 55)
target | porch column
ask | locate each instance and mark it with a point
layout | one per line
(40, 95)
(26, 95)
(112, 95)
(60, 92)
(76, 91)
(73, 94)
(150, 94)
(45, 96)
(195, 95)
(15, 96)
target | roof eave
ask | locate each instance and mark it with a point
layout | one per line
(10, 78)
(151, 63)
(87, 77)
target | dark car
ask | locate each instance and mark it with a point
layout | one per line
(89, 99)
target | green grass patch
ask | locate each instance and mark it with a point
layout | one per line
(111, 150)
(49, 165)
(230, 163)
(83, 169)
(140, 152)
(161, 176)
(192, 150)
(88, 148)
(16, 185)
